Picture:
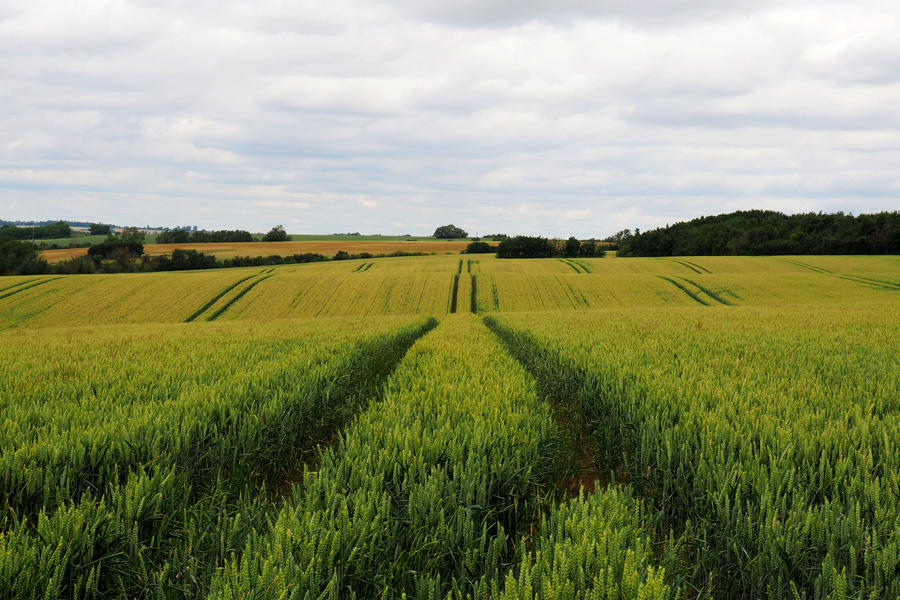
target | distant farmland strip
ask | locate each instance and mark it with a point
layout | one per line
(327, 248)
(216, 298)
(22, 288)
(694, 295)
(240, 295)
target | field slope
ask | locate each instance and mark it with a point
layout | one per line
(453, 427)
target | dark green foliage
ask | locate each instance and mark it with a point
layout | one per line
(523, 246)
(449, 232)
(182, 260)
(479, 248)
(759, 232)
(181, 236)
(173, 236)
(108, 248)
(80, 265)
(276, 234)
(129, 234)
(572, 248)
(99, 229)
(590, 249)
(46, 232)
(274, 259)
(20, 258)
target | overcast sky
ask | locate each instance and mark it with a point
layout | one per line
(563, 117)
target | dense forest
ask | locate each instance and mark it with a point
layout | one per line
(760, 232)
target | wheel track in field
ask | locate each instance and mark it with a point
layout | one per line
(11, 286)
(25, 286)
(695, 296)
(693, 267)
(454, 293)
(237, 297)
(570, 265)
(869, 281)
(579, 466)
(701, 291)
(714, 295)
(216, 298)
(582, 265)
(577, 266)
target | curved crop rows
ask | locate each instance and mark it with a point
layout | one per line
(717, 427)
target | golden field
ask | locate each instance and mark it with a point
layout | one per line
(327, 248)
(454, 426)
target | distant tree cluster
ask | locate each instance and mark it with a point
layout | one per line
(181, 236)
(523, 246)
(342, 255)
(20, 258)
(183, 260)
(277, 234)
(99, 229)
(759, 232)
(47, 232)
(274, 259)
(113, 246)
(450, 232)
(479, 247)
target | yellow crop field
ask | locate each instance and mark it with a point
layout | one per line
(328, 248)
(454, 426)
(437, 285)
(106, 299)
(767, 435)
(368, 287)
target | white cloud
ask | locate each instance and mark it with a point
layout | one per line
(515, 116)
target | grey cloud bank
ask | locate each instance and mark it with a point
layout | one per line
(565, 118)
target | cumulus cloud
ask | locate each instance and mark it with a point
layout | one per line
(561, 118)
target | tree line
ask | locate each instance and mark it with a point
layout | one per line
(182, 236)
(523, 246)
(45, 232)
(760, 232)
(127, 256)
